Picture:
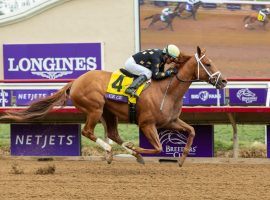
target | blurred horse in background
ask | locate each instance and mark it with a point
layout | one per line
(186, 10)
(251, 21)
(157, 18)
(159, 106)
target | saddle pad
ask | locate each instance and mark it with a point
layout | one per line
(117, 86)
(261, 16)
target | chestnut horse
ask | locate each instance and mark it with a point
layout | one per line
(159, 106)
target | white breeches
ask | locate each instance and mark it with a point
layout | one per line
(134, 68)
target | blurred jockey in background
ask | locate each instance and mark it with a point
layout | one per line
(190, 4)
(165, 14)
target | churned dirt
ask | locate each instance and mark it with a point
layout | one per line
(125, 179)
(236, 51)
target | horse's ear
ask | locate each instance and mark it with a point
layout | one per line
(199, 51)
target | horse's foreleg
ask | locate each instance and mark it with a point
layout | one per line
(180, 125)
(110, 122)
(151, 134)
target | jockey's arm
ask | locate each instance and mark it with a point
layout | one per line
(156, 74)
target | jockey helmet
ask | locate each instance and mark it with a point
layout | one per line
(172, 50)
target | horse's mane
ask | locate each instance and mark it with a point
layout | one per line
(182, 59)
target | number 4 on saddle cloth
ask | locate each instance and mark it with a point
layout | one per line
(119, 82)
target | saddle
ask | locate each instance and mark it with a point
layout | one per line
(120, 80)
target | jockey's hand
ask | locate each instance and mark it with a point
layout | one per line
(174, 70)
(171, 72)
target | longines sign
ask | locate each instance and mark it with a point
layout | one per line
(51, 61)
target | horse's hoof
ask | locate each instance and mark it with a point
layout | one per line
(180, 162)
(139, 158)
(109, 157)
(129, 145)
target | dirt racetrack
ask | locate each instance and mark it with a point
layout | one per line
(237, 52)
(125, 179)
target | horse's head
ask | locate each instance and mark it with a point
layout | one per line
(207, 71)
(201, 68)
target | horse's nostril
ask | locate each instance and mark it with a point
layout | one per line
(224, 81)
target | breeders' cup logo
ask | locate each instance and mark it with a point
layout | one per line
(52, 68)
(246, 95)
(174, 143)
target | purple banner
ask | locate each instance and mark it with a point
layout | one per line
(186, 99)
(25, 97)
(207, 96)
(7, 97)
(173, 142)
(45, 140)
(51, 61)
(248, 96)
(268, 140)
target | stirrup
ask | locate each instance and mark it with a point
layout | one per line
(131, 92)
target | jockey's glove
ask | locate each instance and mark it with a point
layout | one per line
(171, 72)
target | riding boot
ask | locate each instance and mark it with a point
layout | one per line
(131, 90)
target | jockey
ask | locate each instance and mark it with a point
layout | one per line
(190, 4)
(165, 13)
(263, 13)
(150, 63)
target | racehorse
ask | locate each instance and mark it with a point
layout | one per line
(159, 106)
(252, 19)
(157, 17)
(185, 13)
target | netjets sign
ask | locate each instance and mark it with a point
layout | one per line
(51, 61)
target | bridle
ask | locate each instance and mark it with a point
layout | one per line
(213, 78)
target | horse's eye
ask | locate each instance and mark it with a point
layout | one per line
(208, 65)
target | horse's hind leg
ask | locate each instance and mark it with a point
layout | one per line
(110, 126)
(88, 131)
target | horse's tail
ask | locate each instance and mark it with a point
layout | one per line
(149, 17)
(41, 107)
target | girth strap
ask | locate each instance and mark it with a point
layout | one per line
(132, 113)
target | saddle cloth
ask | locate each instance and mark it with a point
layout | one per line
(261, 16)
(119, 82)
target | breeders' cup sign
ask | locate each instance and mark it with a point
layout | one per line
(51, 61)
(248, 96)
(173, 142)
(45, 139)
